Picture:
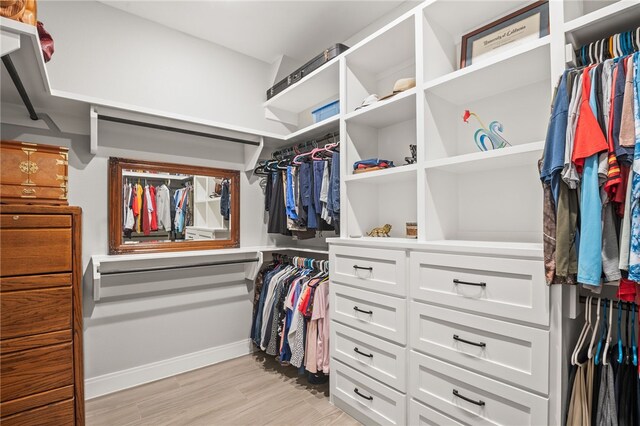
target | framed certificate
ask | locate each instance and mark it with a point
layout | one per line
(524, 25)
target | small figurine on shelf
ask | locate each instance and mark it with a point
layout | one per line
(380, 232)
(492, 133)
(412, 159)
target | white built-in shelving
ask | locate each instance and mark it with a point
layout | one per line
(589, 20)
(153, 175)
(390, 175)
(399, 108)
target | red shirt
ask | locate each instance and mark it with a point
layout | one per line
(589, 138)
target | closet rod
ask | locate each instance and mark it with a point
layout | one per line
(595, 301)
(13, 73)
(167, 268)
(174, 129)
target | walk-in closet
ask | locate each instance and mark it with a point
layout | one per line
(353, 212)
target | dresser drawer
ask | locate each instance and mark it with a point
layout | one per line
(32, 282)
(374, 400)
(509, 288)
(379, 359)
(471, 398)
(372, 269)
(36, 370)
(58, 414)
(35, 221)
(31, 402)
(35, 251)
(506, 351)
(35, 311)
(33, 194)
(421, 415)
(380, 315)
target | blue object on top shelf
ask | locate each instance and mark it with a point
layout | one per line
(326, 111)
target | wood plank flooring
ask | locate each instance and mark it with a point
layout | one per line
(250, 390)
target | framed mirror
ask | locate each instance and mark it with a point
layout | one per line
(160, 207)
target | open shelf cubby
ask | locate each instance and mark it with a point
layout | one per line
(443, 30)
(523, 112)
(492, 205)
(374, 67)
(373, 205)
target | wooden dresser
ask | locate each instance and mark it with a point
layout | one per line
(41, 366)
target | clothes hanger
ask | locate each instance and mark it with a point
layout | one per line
(634, 343)
(603, 333)
(627, 346)
(606, 346)
(583, 332)
(620, 358)
(590, 352)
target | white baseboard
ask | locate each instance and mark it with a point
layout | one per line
(113, 382)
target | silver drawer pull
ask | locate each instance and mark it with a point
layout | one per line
(480, 344)
(355, 308)
(480, 284)
(356, 350)
(479, 403)
(370, 398)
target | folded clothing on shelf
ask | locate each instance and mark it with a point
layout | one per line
(371, 165)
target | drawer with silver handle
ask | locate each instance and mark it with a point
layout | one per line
(508, 288)
(471, 398)
(372, 400)
(506, 351)
(375, 357)
(378, 314)
(368, 268)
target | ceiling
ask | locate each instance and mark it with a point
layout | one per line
(265, 29)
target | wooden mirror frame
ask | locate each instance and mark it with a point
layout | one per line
(116, 245)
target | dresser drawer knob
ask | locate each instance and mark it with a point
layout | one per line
(480, 284)
(355, 308)
(16, 217)
(479, 403)
(356, 350)
(458, 339)
(370, 398)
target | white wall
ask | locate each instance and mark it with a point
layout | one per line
(201, 313)
(109, 54)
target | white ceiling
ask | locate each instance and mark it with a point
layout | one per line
(265, 29)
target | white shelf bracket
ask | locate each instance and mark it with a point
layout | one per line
(570, 55)
(252, 155)
(277, 114)
(93, 117)
(10, 42)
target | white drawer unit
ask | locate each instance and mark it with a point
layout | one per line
(379, 359)
(421, 415)
(508, 288)
(378, 314)
(471, 398)
(506, 351)
(371, 269)
(375, 401)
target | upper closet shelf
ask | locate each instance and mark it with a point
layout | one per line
(513, 68)
(512, 156)
(127, 173)
(314, 131)
(381, 114)
(623, 15)
(308, 92)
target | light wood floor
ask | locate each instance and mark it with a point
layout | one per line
(251, 390)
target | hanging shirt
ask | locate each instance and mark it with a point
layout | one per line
(634, 254)
(129, 219)
(589, 142)
(163, 208)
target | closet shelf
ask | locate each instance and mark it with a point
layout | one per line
(316, 130)
(620, 16)
(310, 91)
(391, 175)
(401, 107)
(512, 156)
(508, 70)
